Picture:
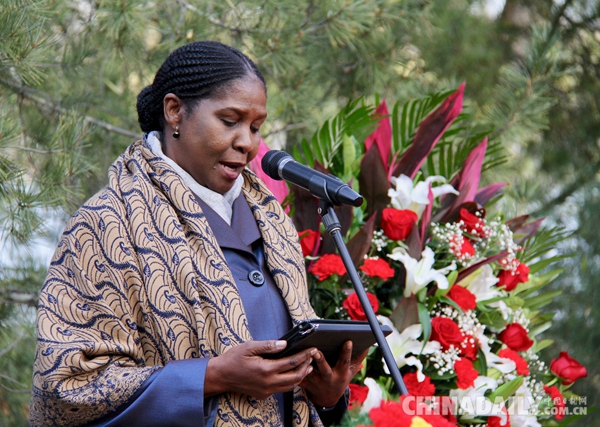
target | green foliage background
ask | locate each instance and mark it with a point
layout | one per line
(70, 72)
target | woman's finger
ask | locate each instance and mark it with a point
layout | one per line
(345, 359)
(293, 362)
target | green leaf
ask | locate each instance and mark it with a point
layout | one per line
(539, 346)
(539, 329)
(481, 363)
(436, 376)
(541, 300)
(493, 319)
(349, 155)
(514, 302)
(537, 282)
(447, 300)
(425, 321)
(507, 389)
(572, 418)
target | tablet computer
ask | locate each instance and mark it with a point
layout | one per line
(328, 336)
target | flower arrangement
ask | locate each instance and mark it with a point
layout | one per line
(461, 289)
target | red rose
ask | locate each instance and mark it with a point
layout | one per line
(557, 399)
(466, 374)
(327, 265)
(522, 367)
(377, 268)
(398, 223)
(515, 337)
(567, 368)
(446, 331)
(463, 297)
(355, 309)
(510, 279)
(416, 388)
(308, 241)
(358, 395)
(472, 223)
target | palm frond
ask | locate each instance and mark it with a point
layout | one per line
(355, 120)
(538, 250)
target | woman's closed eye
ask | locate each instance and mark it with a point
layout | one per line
(229, 122)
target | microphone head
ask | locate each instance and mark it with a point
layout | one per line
(270, 163)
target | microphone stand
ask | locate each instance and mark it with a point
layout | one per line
(333, 227)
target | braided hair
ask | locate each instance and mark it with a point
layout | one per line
(195, 71)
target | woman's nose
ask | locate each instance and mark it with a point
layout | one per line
(246, 140)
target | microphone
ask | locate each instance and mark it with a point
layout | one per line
(280, 165)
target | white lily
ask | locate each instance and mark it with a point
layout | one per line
(494, 361)
(481, 283)
(420, 273)
(402, 344)
(374, 397)
(522, 408)
(472, 401)
(405, 195)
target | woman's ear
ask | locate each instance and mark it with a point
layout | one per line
(174, 110)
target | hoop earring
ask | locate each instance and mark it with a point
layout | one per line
(176, 132)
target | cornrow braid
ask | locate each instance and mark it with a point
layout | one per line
(193, 72)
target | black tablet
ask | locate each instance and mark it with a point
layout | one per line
(328, 336)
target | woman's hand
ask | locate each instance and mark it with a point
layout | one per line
(326, 385)
(242, 369)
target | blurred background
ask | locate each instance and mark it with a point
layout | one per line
(70, 72)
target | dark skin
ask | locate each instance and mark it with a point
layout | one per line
(218, 138)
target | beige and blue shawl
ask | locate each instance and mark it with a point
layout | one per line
(138, 280)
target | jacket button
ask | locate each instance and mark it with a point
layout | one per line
(256, 278)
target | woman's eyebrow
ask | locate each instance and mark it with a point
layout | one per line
(240, 111)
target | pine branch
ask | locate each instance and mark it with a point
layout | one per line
(12, 345)
(45, 103)
(285, 128)
(579, 182)
(556, 22)
(25, 389)
(215, 21)
(13, 297)
(35, 150)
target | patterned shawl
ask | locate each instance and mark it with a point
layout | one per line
(137, 280)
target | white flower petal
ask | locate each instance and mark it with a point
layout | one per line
(374, 397)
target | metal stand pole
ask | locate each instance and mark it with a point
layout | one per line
(333, 227)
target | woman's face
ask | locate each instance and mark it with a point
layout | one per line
(220, 136)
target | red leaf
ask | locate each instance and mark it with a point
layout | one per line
(525, 231)
(414, 243)
(466, 182)
(406, 313)
(382, 136)
(305, 214)
(486, 194)
(360, 244)
(373, 182)
(429, 133)
(426, 217)
(473, 267)
(517, 222)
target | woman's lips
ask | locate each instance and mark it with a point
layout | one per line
(232, 170)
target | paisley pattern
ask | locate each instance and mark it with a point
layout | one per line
(137, 280)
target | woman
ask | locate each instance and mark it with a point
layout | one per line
(169, 285)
